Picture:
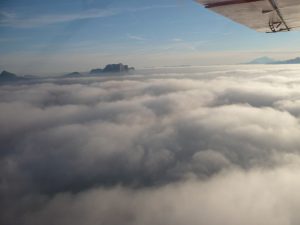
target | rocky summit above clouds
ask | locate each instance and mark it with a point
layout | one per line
(73, 74)
(6, 76)
(262, 60)
(96, 71)
(109, 68)
(289, 61)
(113, 68)
(267, 60)
(117, 68)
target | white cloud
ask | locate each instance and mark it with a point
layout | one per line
(199, 145)
(257, 197)
(177, 40)
(136, 38)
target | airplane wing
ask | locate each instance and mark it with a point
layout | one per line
(260, 15)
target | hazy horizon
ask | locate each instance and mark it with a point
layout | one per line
(61, 36)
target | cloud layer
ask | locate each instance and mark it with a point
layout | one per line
(204, 145)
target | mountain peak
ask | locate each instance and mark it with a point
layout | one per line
(267, 60)
(262, 60)
(113, 68)
(73, 74)
(6, 74)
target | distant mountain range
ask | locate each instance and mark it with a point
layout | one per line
(110, 68)
(6, 76)
(290, 61)
(262, 60)
(267, 60)
(9, 77)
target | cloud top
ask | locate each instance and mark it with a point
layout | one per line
(189, 145)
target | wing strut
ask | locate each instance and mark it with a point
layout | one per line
(271, 24)
(261, 15)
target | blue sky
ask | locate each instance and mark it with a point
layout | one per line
(53, 36)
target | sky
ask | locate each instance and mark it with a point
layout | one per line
(53, 36)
